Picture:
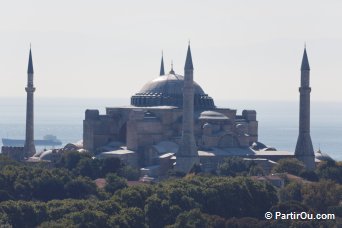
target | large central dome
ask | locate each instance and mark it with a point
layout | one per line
(167, 90)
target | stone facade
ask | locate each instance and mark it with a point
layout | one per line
(141, 128)
(13, 152)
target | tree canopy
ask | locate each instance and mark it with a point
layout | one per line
(42, 195)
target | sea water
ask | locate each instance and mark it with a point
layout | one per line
(278, 120)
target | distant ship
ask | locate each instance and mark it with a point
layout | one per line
(48, 140)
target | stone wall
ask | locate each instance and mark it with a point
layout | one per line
(15, 153)
(143, 127)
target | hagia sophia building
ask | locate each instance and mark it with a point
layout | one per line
(172, 123)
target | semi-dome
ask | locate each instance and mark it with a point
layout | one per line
(213, 115)
(167, 90)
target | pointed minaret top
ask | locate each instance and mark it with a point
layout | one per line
(162, 72)
(172, 71)
(30, 64)
(188, 61)
(305, 61)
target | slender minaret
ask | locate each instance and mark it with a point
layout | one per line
(162, 72)
(304, 149)
(187, 155)
(29, 148)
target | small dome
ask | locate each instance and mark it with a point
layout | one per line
(167, 90)
(207, 125)
(258, 146)
(50, 155)
(213, 115)
(323, 156)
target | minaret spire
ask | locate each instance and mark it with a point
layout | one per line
(187, 156)
(305, 61)
(162, 72)
(172, 71)
(30, 63)
(188, 61)
(304, 149)
(29, 147)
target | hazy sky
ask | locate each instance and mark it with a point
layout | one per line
(242, 49)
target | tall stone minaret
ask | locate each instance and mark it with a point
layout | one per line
(304, 149)
(29, 148)
(187, 155)
(162, 72)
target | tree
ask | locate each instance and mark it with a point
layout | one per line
(157, 212)
(83, 164)
(23, 214)
(134, 196)
(289, 165)
(110, 165)
(215, 221)
(130, 173)
(4, 195)
(292, 191)
(193, 218)
(289, 206)
(114, 183)
(4, 223)
(70, 159)
(88, 168)
(79, 188)
(128, 217)
(233, 166)
(88, 218)
(330, 170)
(322, 195)
(130, 197)
(5, 160)
(256, 170)
(47, 187)
(309, 175)
(247, 222)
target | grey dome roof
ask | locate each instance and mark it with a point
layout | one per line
(168, 84)
(167, 90)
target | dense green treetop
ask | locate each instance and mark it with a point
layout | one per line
(65, 195)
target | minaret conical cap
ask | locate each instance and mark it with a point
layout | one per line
(188, 61)
(305, 61)
(162, 71)
(30, 64)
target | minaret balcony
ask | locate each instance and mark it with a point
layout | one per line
(305, 89)
(30, 89)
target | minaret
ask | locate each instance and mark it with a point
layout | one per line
(187, 156)
(304, 149)
(162, 72)
(29, 148)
